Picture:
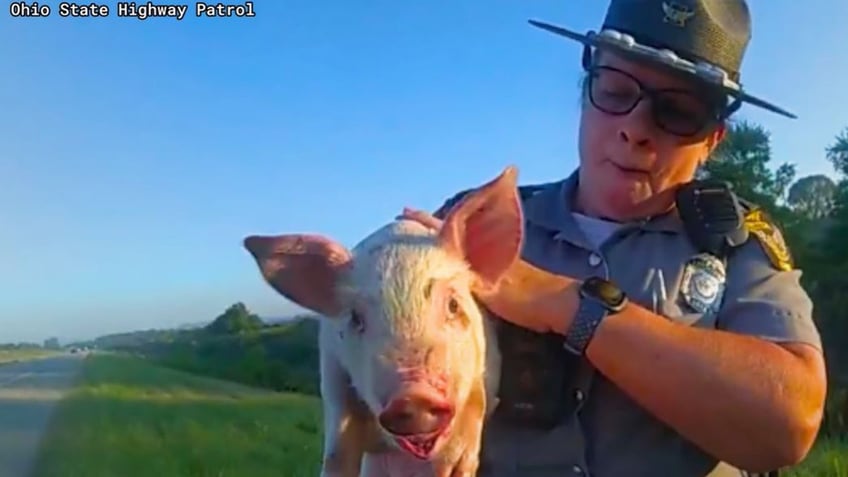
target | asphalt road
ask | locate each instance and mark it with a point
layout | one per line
(29, 391)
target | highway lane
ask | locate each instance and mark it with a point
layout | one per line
(29, 391)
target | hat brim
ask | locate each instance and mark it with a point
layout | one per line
(642, 53)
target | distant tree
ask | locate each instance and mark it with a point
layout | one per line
(813, 196)
(236, 319)
(52, 343)
(837, 153)
(835, 246)
(742, 159)
(825, 263)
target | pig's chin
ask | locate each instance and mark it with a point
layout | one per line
(421, 446)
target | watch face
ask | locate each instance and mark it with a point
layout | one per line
(604, 291)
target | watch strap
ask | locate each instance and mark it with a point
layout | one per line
(589, 315)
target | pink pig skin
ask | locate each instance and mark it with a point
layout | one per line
(409, 361)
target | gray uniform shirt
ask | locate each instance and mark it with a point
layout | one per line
(608, 434)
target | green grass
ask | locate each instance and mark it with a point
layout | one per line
(12, 355)
(130, 418)
(829, 458)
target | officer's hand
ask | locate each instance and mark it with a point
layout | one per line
(426, 219)
(526, 296)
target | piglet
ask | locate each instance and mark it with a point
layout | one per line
(409, 360)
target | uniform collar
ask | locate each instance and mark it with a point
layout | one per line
(552, 205)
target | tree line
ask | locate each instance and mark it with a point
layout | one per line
(812, 212)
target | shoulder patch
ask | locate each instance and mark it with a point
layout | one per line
(760, 225)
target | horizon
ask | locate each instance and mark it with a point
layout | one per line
(138, 154)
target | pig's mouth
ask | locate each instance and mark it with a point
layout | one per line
(417, 424)
(419, 445)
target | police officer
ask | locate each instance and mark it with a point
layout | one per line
(682, 343)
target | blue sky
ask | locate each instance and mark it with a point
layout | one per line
(137, 154)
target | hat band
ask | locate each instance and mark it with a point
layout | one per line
(706, 71)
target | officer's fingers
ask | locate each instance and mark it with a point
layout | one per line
(484, 290)
(458, 471)
(422, 217)
(444, 471)
(462, 472)
(466, 467)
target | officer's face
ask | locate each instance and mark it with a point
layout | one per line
(632, 161)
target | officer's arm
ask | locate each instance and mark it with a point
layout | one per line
(751, 393)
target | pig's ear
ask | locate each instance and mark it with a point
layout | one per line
(303, 268)
(486, 227)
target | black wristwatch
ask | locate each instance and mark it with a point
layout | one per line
(599, 298)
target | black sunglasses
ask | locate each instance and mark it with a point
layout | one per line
(676, 111)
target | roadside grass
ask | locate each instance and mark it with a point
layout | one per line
(131, 418)
(829, 458)
(127, 418)
(12, 355)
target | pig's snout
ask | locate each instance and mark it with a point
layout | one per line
(416, 414)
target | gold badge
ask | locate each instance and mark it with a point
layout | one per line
(676, 13)
(759, 224)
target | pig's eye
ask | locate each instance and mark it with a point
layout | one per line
(455, 314)
(356, 321)
(453, 306)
